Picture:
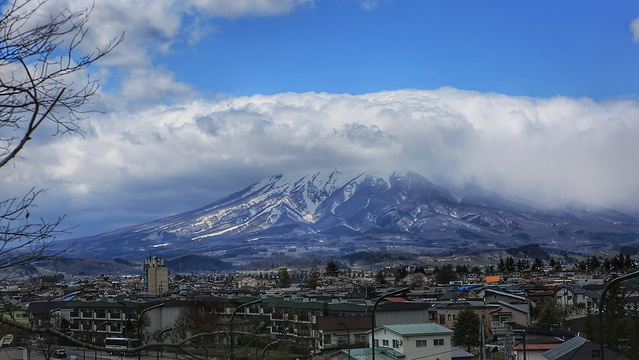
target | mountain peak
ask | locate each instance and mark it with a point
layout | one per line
(332, 212)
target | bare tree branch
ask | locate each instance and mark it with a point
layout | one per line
(42, 86)
(179, 346)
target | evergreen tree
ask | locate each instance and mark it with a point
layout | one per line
(628, 263)
(549, 316)
(502, 265)
(419, 270)
(590, 326)
(609, 265)
(401, 273)
(332, 269)
(380, 277)
(283, 278)
(538, 264)
(615, 322)
(313, 278)
(325, 309)
(593, 263)
(466, 329)
(446, 275)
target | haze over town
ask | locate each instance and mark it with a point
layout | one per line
(536, 100)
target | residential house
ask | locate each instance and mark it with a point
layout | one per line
(459, 353)
(539, 296)
(532, 351)
(509, 313)
(296, 317)
(415, 341)
(569, 296)
(580, 348)
(343, 331)
(494, 296)
(15, 311)
(447, 313)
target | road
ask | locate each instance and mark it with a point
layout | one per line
(91, 355)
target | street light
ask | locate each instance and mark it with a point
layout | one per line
(601, 301)
(54, 325)
(93, 337)
(51, 314)
(348, 338)
(395, 292)
(266, 347)
(231, 323)
(158, 339)
(140, 325)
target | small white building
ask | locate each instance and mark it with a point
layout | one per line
(415, 341)
(570, 295)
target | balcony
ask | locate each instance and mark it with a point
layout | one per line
(100, 315)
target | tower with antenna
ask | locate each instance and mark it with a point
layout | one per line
(156, 275)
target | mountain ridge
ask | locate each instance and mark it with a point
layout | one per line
(335, 212)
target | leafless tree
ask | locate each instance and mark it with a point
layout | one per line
(43, 86)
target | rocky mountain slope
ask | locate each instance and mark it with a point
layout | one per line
(336, 213)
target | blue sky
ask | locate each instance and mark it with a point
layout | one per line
(536, 48)
(533, 99)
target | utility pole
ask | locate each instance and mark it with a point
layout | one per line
(509, 343)
(482, 340)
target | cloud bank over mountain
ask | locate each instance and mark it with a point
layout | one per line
(135, 166)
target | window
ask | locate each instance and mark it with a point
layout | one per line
(396, 344)
(327, 339)
(448, 317)
(384, 342)
(438, 342)
(442, 319)
(376, 342)
(503, 319)
(421, 343)
(341, 339)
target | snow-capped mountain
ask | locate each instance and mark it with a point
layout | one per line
(336, 212)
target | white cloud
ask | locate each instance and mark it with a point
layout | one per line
(168, 159)
(130, 74)
(239, 8)
(634, 27)
(369, 4)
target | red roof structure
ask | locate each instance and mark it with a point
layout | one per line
(535, 346)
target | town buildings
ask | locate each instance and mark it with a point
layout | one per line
(331, 319)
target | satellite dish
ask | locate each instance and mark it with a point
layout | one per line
(6, 340)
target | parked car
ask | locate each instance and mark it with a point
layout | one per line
(60, 354)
